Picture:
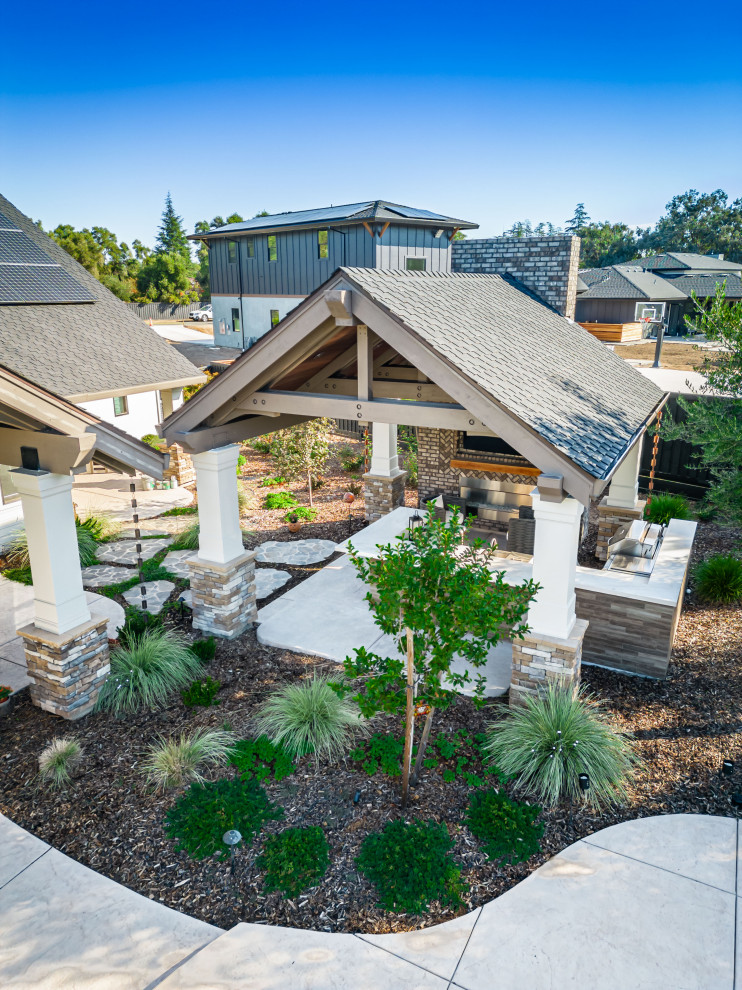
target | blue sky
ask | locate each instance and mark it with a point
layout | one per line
(486, 111)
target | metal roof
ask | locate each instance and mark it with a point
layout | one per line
(678, 260)
(371, 210)
(547, 371)
(627, 282)
(89, 349)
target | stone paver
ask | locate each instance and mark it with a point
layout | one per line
(101, 575)
(156, 594)
(268, 580)
(125, 551)
(295, 551)
(176, 562)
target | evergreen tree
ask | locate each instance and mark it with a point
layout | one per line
(171, 237)
(580, 219)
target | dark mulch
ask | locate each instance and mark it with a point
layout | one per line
(108, 820)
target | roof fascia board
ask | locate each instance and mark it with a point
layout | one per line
(398, 221)
(137, 389)
(209, 437)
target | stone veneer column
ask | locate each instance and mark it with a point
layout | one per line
(622, 503)
(223, 573)
(384, 482)
(66, 648)
(552, 650)
(435, 476)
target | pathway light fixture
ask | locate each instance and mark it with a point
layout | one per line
(584, 781)
(415, 522)
(727, 767)
(231, 839)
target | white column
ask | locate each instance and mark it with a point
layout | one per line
(220, 536)
(384, 458)
(49, 517)
(552, 613)
(623, 491)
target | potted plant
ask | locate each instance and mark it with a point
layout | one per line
(294, 522)
(5, 699)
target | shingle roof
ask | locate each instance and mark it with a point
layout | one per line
(627, 282)
(545, 370)
(91, 348)
(679, 260)
(371, 210)
(705, 285)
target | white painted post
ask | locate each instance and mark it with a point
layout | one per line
(49, 518)
(552, 613)
(384, 457)
(220, 537)
(623, 491)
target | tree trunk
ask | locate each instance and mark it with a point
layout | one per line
(423, 745)
(409, 727)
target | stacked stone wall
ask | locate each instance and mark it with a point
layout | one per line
(546, 265)
(381, 495)
(181, 466)
(610, 517)
(539, 660)
(223, 595)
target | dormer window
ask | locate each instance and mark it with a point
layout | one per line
(272, 248)
(232, 252)
(323, 247)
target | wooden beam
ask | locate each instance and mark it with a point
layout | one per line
(58, 454)
(400, 374)
(500, 468)
(384, 229)
(206, 438)
(365, 364)
(409, 391)
(368, 228)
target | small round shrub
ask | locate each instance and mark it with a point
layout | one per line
(59, 759)
(410, 866)
(205, 649)
(663, 508)
(176, 761)
(201, 816)
(280, 500)
(260, 758)
(719, 580)
(294, 860)
(507, 829)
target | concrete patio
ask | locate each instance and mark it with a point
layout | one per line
(650, 904)
(109, 495)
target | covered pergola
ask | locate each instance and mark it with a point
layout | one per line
(470, 352)
(45, 440)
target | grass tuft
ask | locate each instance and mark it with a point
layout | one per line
(177, 761)
(663, 508)
(719, 580)
(59, 759)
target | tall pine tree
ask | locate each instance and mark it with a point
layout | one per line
(171, 237)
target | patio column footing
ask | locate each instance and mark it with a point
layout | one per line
(540, 659)
(224, 595)
(383, 493)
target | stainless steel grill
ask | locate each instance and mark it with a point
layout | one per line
(634, 547)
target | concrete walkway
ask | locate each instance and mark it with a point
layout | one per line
(108, 494)
(651, 904)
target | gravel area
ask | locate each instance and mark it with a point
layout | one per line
(109, 820)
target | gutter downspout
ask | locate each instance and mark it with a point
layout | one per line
(239, 266)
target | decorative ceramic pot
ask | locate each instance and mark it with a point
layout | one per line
(294, 527)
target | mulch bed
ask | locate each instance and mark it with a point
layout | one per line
(110, 821)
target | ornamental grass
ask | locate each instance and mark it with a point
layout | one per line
(179, 760)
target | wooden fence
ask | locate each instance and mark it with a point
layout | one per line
(676, 469)
(162, 310)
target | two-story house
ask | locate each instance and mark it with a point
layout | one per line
(260, 269)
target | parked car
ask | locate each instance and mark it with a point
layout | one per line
(203, 314)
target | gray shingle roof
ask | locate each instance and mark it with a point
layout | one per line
(86, 348)
(679, 260)
(374, 210)
(545, 370)
(705, 285)
(627, 282)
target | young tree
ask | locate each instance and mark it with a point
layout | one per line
(171, 236)
(439, 601)
(302, 450)
(714, 425)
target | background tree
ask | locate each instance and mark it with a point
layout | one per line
(701, 223)
(604, 243)
(202, 253)
(167, 278)
(438, 600)
(302, 451)
(171, 235)
(714, 425)
(581, 218)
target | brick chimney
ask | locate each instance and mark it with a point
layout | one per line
(546, 265)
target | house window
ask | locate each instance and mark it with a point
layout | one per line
(232, 252)
(120, 405)
(323, 248)
(275, 318)
(251, 247)
(236, 320)
(415, 264)
(272, 248)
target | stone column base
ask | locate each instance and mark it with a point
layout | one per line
(181, 466)
(382, 493)
(538, 660)
(610, 517)
(223, 595)
(67, 670)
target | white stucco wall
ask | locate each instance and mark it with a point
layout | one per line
(143, 415)
(256, 313)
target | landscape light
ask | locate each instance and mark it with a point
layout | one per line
(737, 800)
(415, 521)
(584, 781)
(727, 766)
(231, 838)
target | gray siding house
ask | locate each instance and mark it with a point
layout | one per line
(260, 269)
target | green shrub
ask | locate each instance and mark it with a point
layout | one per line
(350, 460)
(309, 717)
(201, 816)
(273, 482)
(243, 499)
(705, 512)
(410, 866)
(260, 758)
(301, 512)
(137, 622)
(507, 829)
(380, 752)
(241, 462)
(261, 444)
(279, 500)
(409, 459)
(181, 510)
(21, 575)
(294, 860)
(102, 527)
(174, 762)
(205, 649)
(553, 738)
(146, 672)
(152, 440)
(201, 694)
(59, 759)
(188, 539)
(719, 579)
(663, 508)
